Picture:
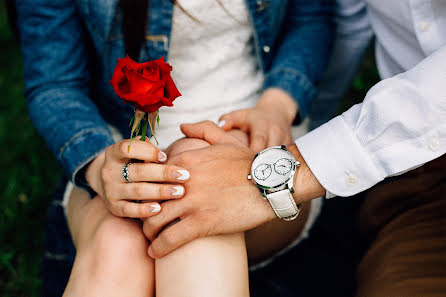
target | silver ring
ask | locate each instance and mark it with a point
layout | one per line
(125, 172)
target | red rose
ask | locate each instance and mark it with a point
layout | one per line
(147, 86)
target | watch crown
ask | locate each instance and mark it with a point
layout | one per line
(249, 176)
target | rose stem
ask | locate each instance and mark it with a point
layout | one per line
(145, 123)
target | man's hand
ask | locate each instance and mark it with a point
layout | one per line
(220, 199)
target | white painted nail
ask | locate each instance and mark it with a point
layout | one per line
(182, 175)
(162, 157)
(177, 191)
(221, 123)
(155, 207)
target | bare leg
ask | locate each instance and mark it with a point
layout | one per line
(111, 257)
(217, 266)
(211, 266)
(112, 253)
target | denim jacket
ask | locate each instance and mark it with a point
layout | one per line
(70, 49)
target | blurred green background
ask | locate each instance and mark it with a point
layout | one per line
(27, 178)
(29, 173)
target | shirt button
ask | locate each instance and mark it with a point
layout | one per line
(424, 26)
(434, 144)
(266, 49)
(351, 180)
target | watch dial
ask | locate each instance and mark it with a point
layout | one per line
(273, 167)
(263, 171)
(283, 166)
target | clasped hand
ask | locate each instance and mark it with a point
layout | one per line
(219, 200)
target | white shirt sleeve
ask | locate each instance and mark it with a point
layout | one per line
(400, 125)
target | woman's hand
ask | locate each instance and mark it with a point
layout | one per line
(268, 123)
(150, 180)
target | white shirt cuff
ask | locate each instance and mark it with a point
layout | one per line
(338, 160)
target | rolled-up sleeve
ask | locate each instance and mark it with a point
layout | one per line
(400, 125)
(57, 82)
(302, 51)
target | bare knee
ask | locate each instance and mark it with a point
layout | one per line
(119, 239)
(186, 144)
(111, 257)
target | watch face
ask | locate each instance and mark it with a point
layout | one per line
(273, 167)
(263, 171)
(283, 166)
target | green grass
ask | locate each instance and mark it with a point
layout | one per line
(28, 171)
(27, 176)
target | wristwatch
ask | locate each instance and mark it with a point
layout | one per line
(272, 171)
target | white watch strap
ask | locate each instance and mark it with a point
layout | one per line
(283, 204)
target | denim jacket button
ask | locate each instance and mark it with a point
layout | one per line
(262, 5)
(266, 49)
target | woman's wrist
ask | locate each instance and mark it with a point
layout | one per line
(93, 172)
(278, 102)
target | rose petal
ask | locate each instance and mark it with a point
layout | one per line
(147, 86)
(149, 71)
(137, 83)
(170, 90)
(162, 101)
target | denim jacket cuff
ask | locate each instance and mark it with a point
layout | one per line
(80, 150)
(294, 83)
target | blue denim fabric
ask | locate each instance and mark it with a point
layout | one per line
(70, 49)
(352, 38)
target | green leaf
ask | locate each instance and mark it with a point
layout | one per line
(157, 143)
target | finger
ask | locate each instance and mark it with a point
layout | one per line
(135, 210)
(150, 191)
(258, 138)
(151, 172)
(174, 236)
(233, 119)
(208, 131)
(172, 210)
(225, 124)
(276, 137)
(137, 149)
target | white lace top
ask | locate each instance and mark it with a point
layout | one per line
(214, 66)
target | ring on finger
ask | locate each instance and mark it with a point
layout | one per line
(125, 172)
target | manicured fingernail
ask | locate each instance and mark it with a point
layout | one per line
(162, 157)
(182, 175)
(221, 123)
(177, 191)
(155, 208)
